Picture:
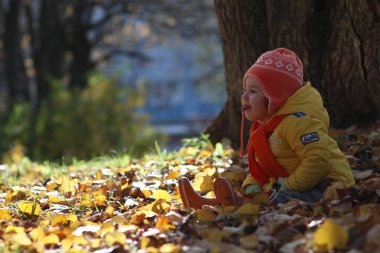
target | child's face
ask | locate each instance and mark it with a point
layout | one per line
(254, 103)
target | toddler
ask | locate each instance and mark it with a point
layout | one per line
(290, 153)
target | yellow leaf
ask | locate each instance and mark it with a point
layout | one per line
(99, 196)
(163, 224)
(214, 234)
(13, 229)
(203, 182)
(14, 196)
(66, 244)
(158, 207)
(148, 213)
(162, 194)
(205, 153)
(50, 239)
(54, 199)
(5, 214)
(118, 219)
(110, 210)
(21, 239)
(59, 219)
(174, 174)
(169, 248)
(43, 223)
(86, 200)
(249, 209)
(99, 203)
(330, 235)
(249, 241)
(330, 193)
(95, 243)
(115, 237)
(67, 185)
(147, 193)
(125, 186)
(30, 208)
(149, 244)
(262, 198)
(37, 234)
(127, 228)
(108, 227)
(72, 217)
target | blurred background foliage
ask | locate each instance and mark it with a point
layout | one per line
(59, 97)
(80, 123)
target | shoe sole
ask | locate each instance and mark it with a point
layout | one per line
(182, 191)
(223, 184)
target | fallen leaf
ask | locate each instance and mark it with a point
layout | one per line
(214, 234)
(249, 209)
(161, 194)
(115, 237)
(59, 219)
(206, 214)
(330, 235)
(14, 196)
(373, 236)
(30, 208)
(261, 198)
(50, 239)
(37, 234)
(363, 174)
(169, 248)
(5, 214)
(249, 241)
(66, 184)
(21, 239)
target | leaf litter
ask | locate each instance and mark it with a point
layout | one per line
(136, 207)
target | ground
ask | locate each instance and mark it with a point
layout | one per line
(120, 204)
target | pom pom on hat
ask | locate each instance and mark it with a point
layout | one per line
(279, 73)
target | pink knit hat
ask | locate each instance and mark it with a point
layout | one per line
(279, 73)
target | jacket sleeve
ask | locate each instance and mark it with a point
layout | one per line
(248, 181)
(307, 137)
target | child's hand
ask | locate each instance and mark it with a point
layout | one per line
(252, 188)
(281, 181)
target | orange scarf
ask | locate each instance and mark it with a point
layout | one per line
(258, 145)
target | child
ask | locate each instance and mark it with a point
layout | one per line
(289, 151)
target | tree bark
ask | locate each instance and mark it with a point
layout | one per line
(320, 32)
(13, 63)
(365, 23)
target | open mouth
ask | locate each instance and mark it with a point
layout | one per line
(244, 107)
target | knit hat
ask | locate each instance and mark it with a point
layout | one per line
(279, 73)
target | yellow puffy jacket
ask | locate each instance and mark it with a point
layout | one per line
(301, 144)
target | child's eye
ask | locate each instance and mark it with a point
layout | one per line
(249, 90)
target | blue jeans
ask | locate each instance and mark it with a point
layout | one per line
(311, 196)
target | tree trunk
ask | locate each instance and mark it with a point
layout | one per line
(365, 22)
(15, 80)
(80, 46)
(319, 31)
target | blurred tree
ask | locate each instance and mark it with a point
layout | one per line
(46, 40)
(11, 52)
(56, 39)
(338, 42)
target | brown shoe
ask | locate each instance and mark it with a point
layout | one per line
(191, 198)
(224, 192)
